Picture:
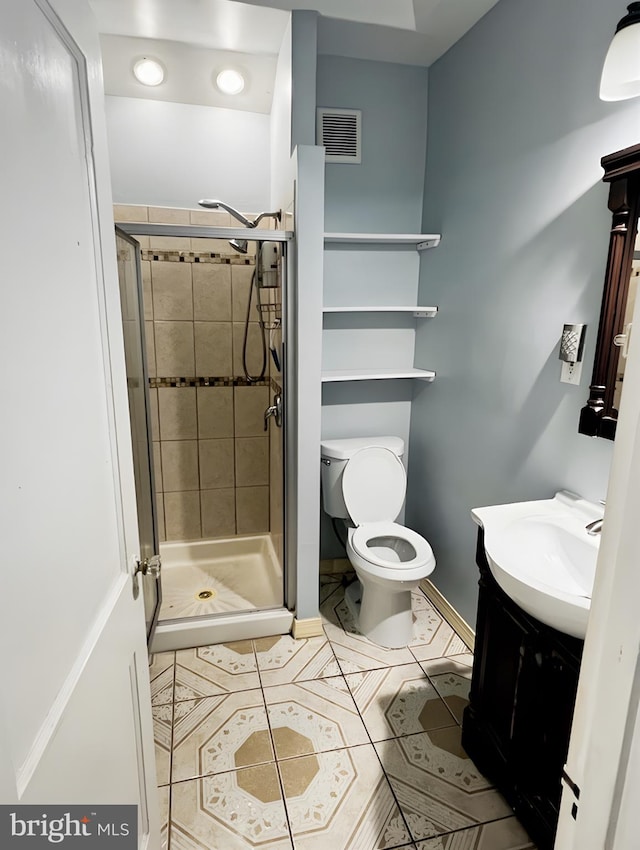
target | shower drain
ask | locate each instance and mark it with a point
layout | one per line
(205, 594)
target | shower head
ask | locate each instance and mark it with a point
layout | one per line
(239, 244)
(215, 205)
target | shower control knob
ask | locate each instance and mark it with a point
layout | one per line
(150, 566)
(274, 410)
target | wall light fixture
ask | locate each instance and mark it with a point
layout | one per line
(621, 72)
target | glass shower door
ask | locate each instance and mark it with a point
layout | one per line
(130, 280)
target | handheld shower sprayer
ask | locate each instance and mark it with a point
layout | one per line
(266, 275)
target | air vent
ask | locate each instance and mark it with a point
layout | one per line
(339, 132)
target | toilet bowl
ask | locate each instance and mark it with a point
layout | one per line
(364, 480)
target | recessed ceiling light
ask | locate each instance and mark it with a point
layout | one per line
(149, 72)
(230, 81)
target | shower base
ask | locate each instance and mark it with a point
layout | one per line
(220, 590)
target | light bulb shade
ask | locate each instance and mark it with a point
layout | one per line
(230, 81)
(149, 72)
(621, 72)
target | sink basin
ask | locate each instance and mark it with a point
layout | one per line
(542, 557)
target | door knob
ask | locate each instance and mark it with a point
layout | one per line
(150, 566)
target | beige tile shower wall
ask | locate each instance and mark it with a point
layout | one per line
(211, 454)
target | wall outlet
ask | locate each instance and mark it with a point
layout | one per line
(570, 373)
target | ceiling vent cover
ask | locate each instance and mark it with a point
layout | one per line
(339, 131)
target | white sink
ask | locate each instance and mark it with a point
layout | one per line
(542, 557)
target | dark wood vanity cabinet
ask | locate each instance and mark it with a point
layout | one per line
(517, 724)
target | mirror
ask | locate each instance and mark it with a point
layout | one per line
(599, 417)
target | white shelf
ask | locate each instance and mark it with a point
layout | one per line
(420, 312)
(376, 375)
(421, 241)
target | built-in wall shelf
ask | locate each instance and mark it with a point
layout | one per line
(421, 241)
(419, 312)
(376, 375)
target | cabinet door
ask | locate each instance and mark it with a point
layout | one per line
(501, 643)
(541, 735)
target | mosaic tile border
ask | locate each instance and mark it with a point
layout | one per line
(197, 257)
(216, 381)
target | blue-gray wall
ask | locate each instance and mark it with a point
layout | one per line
(516, 133)
(382, 194)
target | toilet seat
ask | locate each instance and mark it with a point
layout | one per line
(384, 567)
(374, 483)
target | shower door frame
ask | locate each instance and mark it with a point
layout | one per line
(148, 548)
(286, 237)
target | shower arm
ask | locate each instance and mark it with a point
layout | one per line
(214, 205)
(277, 215)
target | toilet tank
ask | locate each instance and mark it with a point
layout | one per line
(335, 454)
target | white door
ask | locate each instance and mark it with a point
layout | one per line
(75, 717)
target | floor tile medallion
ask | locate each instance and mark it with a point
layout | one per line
(218, 669)
(341, 799)
(505, 834)
(220, 733)
(396, 701)
(454, 690)
(283, 659)
(451, 677)
(238, 810)
(312, 717)
(438, 787)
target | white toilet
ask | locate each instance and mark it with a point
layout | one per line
(363, 479)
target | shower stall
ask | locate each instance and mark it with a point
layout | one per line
(204, 316)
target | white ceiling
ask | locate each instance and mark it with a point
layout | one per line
(219, 24)
(193, 38)
(190, 73)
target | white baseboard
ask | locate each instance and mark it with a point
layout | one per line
(446, 609)
(311, 627)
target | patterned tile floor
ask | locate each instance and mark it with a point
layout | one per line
(330, 743)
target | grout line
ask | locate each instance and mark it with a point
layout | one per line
(173, 713)
(384, 772)
(273, 745)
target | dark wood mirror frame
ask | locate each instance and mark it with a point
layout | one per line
(622, 170)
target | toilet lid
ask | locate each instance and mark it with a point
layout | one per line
(374, 484)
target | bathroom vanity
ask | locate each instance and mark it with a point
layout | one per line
(517, 725)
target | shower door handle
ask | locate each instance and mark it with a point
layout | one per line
(274, 410)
